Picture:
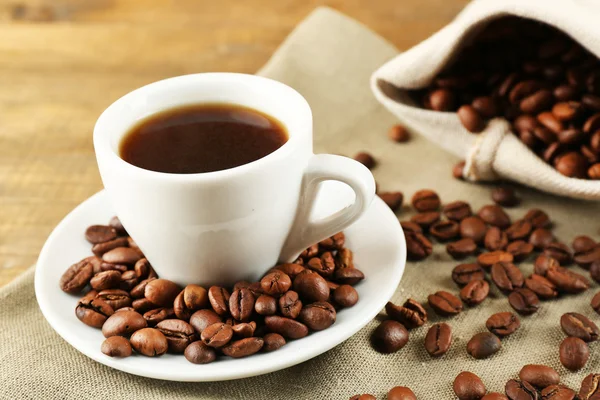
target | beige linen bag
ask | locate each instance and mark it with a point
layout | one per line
(495, 153)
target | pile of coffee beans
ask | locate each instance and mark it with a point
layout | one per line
(536, 77)
(497, 245)
(137, 310)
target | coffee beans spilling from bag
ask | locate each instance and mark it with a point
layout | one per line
(137, 310)
(539, 79)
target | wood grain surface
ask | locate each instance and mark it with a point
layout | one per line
(63, 61)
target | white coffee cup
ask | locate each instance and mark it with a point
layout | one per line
(230, 225)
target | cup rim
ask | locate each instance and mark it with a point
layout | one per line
(102, 141)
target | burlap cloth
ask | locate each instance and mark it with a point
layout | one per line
(329, 59)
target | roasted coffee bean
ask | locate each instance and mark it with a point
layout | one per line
(272, 342)
(411, 314)
(592, 124)
(540, 238)
(100, 248)
(418, 246)
(123, 323)
(190, 299)
(116, 346)
(426, 219)
(286, 327)
(161, 292)
(483, 345)
(426, 200)
(470, 119)
(100, 234)
(389, 337)
(93, 312)
(571, 136)
(122, 255)
(115, 298)
(590, 387)
(444, 230)
(594, 171)
(143, 305)
(495, 239)
(106, 280)
(399, 134)
(524, 301)
(265, 305)
(574, 353)
(149, 342)
(585, 258)
(544, 263)
(595, 303)
(475, 292)
(334, 242)
(158, 315)
(577, 325)
(179, 334)
(560, 252)
(243, 347)
(445, 303)
(290, 304)
(275, 283)
(441, 100)
(507, 276)
(438, 339)
(199, 353)
(244, 329)
(583, 243)
(557, 392)
(77, 276)
(468, 386)
(520, 390)
(312, 287)
(310, 252)
(486, 106)
(520, 230)
(292, 270)
(503, 324)
(494, 396)
(461, 248)
(318, 316)
(549, 121)
(457, 210)
(566, 92)
(537, 218)
(345, 296)
(567, 281)
(217, 335)
(487, 260)
(401, 393)
(567, 111)
(473, 228)
(539, 376)
(410, 227)
(241, 304)
(138, 290)
(520, 250)
(541, 286)
(572, 164)
(494, 215)
(219, 299)
(505, 196)
(465, 273)
(323, 265)
(365, 159)
(348, 276)
(392, 199)
(201, 319)
(128, 280)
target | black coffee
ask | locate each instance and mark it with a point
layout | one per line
(202, 138)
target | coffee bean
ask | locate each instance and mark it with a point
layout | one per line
(143, 305)
(567, 281)
(470, 119)
(265, 305)
(465, 273)
(346, 276)
(116, 346)
(93, 312)
(572, 164)
(539, 376)
(458, 169)
(138, 290)
(495, 239)
(543, 263)
(590, 387)
(123, 324)
(100, 248)
(411, 314)
(557, 392)
(537, 218)
(217, 335)
(318, 316)
(128, 280)
(468, 386)
(243, 347)
(286, 327)
(292, 270)
(312, 287)
(201, 319)
(244, 329)
(583, 243)
(106, 280)
(503, 324)
(523, 89)
(158, 315)
(392, 199)
(507, 276)
(595, 302)
(461, 248)
(115, 298)
(520, 230)
(475, 292)
(401, 393)
(441, 100)
(310, 252)
(592, 124)
(161, 292)
(190, 299)
(540, 238)
(272, 342)
(179, 334)
(275, 283)
(122, 255)
(445, 303)
(585, 258)
(574, 353)
(567, 111)
(473, 228)
(571, 136)
(541, 286)
(100, 234)
(418, 246)
(524, 301)
(345, 296)
(199, 353)
(241, 304)
(425, 200)
(457, 210)
(389, 337)
(334, 242)
(219, 299)
(483, 345)
(290, 304)
(520, 390)
(494, 396)
(520, 250)
(426, 219)
(410, 227)
(494, 215)
(365, 159)
(399, 134)
(566, 92)
(594, 171)
(444, 230)
(486, 106)
(487, 260)
(578, 325)
(143, 269)
(77, 276)
(560, 252)
(438, 339)
(149, 342)
(505, 196)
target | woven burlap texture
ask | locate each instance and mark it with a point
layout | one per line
(329, 59)
(495, 153)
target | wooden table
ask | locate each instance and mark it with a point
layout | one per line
(63, 61)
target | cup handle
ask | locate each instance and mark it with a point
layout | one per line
(327, 167)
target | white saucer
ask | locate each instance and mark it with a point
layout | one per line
(380, 252)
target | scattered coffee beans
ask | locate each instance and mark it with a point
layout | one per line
(438, 339)
(577, 325)
(401, 393)
(503, 324)
(411, 314)
(445, 303)
(389, 337)
(483, 345)
(574, 353)
(524, 301)
(539, 376)
(468, 386)
(590, 387)
(365, 159)
(520, 390)
(505, 197)
(399, 134)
